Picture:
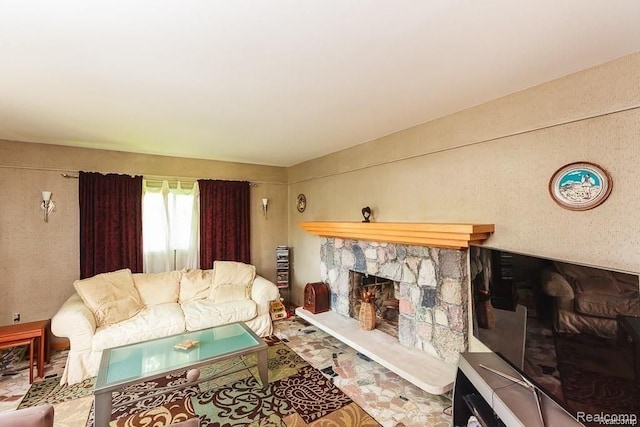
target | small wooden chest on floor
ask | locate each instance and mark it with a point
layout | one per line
(316, 297)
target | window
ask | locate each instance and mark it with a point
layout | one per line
(170, 226)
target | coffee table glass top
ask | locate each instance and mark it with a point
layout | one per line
(134, 362)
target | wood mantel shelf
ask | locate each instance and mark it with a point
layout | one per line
(452, 236)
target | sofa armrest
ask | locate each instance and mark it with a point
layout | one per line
(264, 291)
(555, 285)
(75, 321)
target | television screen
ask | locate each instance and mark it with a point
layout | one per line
(573, 330)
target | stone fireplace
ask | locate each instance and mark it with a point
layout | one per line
(428, 264)
(431, 288)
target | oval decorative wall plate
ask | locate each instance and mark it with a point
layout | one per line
(580, 186)
(301, 202)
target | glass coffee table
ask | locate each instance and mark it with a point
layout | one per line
(136, 363)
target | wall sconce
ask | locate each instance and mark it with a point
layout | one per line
(47, 204)
(265, 203)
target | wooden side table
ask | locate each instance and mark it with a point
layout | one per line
(28, 333)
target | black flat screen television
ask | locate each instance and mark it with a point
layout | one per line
(572, 330)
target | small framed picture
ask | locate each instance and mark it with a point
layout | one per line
(301, 202)
(580, 186)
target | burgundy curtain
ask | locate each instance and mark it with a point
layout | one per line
(110, 223)
(224, 222)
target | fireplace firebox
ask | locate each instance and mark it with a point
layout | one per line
(383, 297)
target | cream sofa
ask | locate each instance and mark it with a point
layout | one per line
(589, 300)
(113, 309)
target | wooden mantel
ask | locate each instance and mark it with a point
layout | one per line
(455, 236)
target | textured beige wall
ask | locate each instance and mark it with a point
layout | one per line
(39, 262)
(492, 164)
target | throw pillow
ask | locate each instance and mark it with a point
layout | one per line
(232, 281)
(556, 285)
(112, 297)
(158, 288)
(226, 272)
(195, 284)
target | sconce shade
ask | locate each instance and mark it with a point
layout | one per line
(47, 204)
(265, 202)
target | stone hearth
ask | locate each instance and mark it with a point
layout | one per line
(433, 288)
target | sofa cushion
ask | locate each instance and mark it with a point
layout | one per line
(590, 285)
(574, 271)
(232, 281)
(230, 292)
(112, 297)
(195, 284)
(157, 321)
(158, 288)
(199, 314)
(605, 297)
(571, 322)
(627, 282)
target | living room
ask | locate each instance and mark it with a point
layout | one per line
(490, 163)
(464, 176)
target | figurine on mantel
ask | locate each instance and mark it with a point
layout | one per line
(366, 213)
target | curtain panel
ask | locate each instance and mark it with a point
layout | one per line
(170, 227)
(224, 222)
(110, 223)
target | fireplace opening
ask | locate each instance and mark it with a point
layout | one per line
(384, 299)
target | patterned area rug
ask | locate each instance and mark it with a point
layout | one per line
(297, 395)
(595, 377)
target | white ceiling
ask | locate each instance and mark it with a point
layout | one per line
(280, 82)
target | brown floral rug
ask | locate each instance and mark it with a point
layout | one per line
(595, 376)
(297, 395)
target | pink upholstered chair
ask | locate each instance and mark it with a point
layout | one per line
(35, 416)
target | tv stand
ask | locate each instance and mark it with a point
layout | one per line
(498, 401)
(524, 383)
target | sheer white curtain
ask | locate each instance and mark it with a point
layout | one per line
(170, 227)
